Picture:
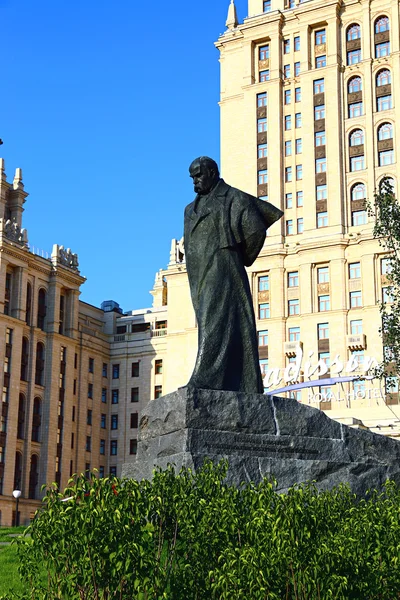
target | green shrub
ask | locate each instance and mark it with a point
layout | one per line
(190, 536)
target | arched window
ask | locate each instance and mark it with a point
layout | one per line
(28, 307)
(387, 184)
(382, 24)
(21, 417)
(356, 137)
(39, 371)
(33, 476)
(42, 308)
(358, 192)
(385, 132)
(353, 32)
(24, 359)
(18, 471)
(36, 420)
(355, 85)
(384, 77)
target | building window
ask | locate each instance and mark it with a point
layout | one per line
(104, 395)
(263, 366)
(320, 61)
(262, 99)
(102, 446)
(39, 370)
(320, 138)
(158, 366)
(325, 358)
(319, 112)
(293, 279)
(386, 266)
(319, 86)
(384, 77)
(113, 449)
(24, 359)
(322, 219)
(299, 198)
(382, 24)
(354, 57)
(324, 303)
(320, 165)
(42, 308)
(88, 443)
(299, 172)
(104, 370)
(294, 307)
(103, 421)
(114, 396)
(263, 311)
(385, 132)
(355, 109)
(322, 192)
(157, 391)
(300, 225)
(353, 32)
(296, 69)
(356, 327)
(264, 75)
(114, 421)
(288, 122)
(288, 174)
(288, 148)
(323, 331)
(90, 390)
(356, 137)
(133, 443)
(297, 94)
(386, 158)
(36, 420)
(323, 274)
(358, 192)
(91, 365)
(263, 52)
(262, 150)
(357, 163)
(387, 294)
(354, 270)
(294, 334)
(263, 338)
(262, 125)
(89, 417)
(289, 227)
(263, 283)
(262, 176)
(358, 217)
(115, 371)
(298, 120)
(134, 420)
(320, 37)
(382, 49)
(267, 6)
(289, 200)
(21, 417)
(135, 394)
(299, 146)
(286, 46)
(297, 43)
(288, 96)
(355, 299)
(135, 369)
(384, 103)
(286, 71)
(354, 85)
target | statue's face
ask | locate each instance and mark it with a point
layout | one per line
(204, 178)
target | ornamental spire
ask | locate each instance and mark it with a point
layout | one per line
(232, 20)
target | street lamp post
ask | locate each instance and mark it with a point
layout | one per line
(17, 495)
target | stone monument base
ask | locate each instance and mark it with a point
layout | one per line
(260, 436)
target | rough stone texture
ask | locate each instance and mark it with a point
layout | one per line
(260, 436)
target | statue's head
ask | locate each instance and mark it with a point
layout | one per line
(205, 174)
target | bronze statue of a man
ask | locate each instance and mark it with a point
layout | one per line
(225, 230)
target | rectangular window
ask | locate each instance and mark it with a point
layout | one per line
(320, 61)
(320, 138)
(88, 443)
(263, 52)
(319, 86)
(132, 446)
(325, 358)
(293, 279)
(387, 294)
(357, 163)
(115, 371)
(75, 386)
(113, 449)
(382, 49)
(263, 283)
(320, 165)
(324, 303)
(263, 338)
(323, 274)
(386, 158)
(353, 57)
(135, 369)
(134, 420)
(104, 370)
(113, 471)
(288, 148)
(263, 366)
(294, 334)
(158, 366)
(102, 446)
(296, 43)
(90, 390)
(294, 307)
(289, 227)
(296, 69)
(288, 96)
(386, 266)
(157, 391)
(286, 71)
(320, 37)
(114, 396)
(355, 109)
(264, 75)
(262, 176)
(299, 198)
(356, 327)
(103, 421)
(322, 219)
(384, 103)
(297, 94)
(286, 46)
(135, 394)
(299, 146)
(288, 174)
(358, 217)
(289, 200)
(267, 6)
(288, 122)
(104, 394)
(263, 311)
(262, 150)
(114, 421)
(262, 99)
(322, 192)
(299, 172)
(262, 125)
(319, 112)
(89, 417)
(300, 225)
(91, 365)
(354, 270)
(355, 299)
(75, 361)
(323, 331)
(298, 120)
(73, 413)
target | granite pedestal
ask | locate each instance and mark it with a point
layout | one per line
(260, 436)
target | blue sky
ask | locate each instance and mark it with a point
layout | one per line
(103, 106)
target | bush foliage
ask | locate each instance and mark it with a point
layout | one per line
(190, 536)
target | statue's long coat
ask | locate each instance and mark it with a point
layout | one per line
(224, 232)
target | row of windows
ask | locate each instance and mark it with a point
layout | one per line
(324, 303)
(356, 328)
